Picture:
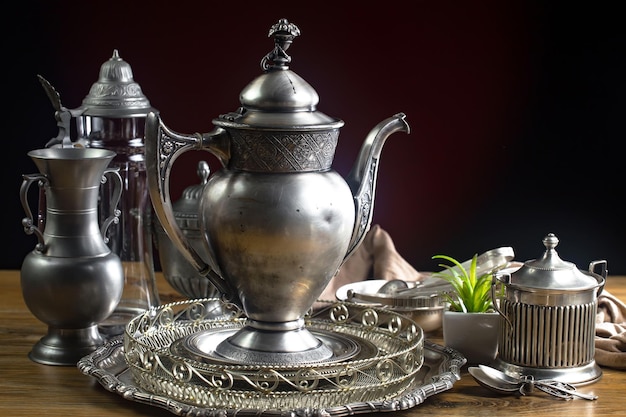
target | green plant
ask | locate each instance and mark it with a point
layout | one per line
(472, 294)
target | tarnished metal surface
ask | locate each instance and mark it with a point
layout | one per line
(548, 312)
(399, 369)
(71, 280)
(277, 221)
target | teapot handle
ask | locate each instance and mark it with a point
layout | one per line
(28, 222)
(114, 216)
(163, 146)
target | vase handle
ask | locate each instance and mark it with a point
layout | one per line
(30, 227)
(114, 215)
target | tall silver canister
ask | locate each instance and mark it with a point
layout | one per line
(548, 311)
(113, 116)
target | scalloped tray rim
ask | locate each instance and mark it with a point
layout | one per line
(108, 366)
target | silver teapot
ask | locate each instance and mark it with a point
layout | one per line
(277, 221)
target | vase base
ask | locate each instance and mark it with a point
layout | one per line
(65, 347)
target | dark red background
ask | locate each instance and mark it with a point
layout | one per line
(516, 107)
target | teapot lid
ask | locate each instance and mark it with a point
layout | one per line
(278, 99)
(551, 272)
(116, 94)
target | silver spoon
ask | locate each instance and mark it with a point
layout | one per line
(494, 384)
(499, 381)
(393, 286)
(548, 386)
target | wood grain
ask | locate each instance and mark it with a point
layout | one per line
(31, 389)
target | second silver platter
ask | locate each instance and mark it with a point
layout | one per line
(376, 356)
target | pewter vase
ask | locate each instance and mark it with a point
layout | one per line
(71, 281)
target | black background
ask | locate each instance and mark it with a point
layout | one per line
(516, 107)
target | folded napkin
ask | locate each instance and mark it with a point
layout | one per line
(610, 338)
(375, 258)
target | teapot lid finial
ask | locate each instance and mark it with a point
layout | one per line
(279, 99)
(284, 33)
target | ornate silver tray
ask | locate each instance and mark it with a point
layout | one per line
(382, 364)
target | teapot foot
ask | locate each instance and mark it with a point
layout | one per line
(271, 343)
(252, 345)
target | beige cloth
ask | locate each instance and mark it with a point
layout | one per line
(611, 332)
(375, 258)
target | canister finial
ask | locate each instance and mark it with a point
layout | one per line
(550, 241)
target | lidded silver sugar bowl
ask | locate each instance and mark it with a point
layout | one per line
(277, 221)
(548, 311)
(178, 272)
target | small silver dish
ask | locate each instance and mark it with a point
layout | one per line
(420, 301)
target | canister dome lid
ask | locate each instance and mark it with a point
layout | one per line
(278, 99)
(550, 272)
(116, 94)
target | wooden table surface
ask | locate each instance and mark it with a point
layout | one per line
(31, 389)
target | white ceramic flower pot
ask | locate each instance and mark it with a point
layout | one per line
(474, 335)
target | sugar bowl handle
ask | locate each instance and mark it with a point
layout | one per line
(504, 278)
(599, 270)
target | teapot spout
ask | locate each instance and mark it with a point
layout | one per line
(362, 177)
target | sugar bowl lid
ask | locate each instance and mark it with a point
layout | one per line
(186, 207)
(552, 273)
(278, 99)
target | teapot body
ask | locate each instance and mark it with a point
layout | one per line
(281, 237)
